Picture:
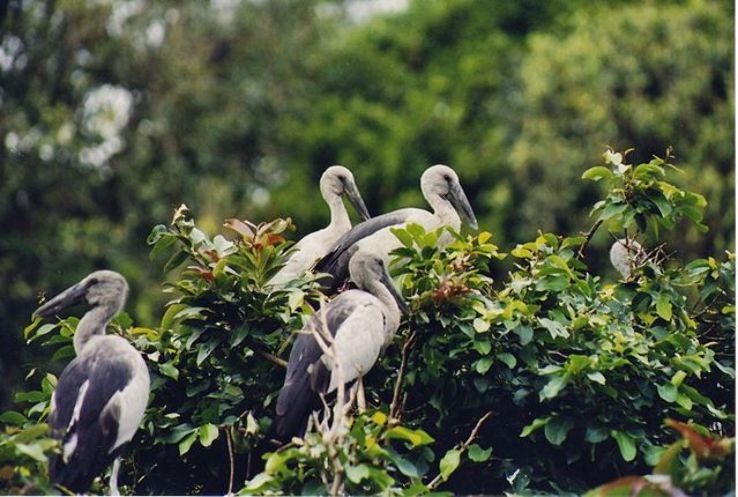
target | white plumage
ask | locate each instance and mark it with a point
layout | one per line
(335, 182)
(443, 192)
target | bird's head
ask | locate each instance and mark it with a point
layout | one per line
(99, 289)
(442, 181)
(366, 269)
(337, 180)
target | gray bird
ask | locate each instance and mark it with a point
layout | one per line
(442, 190)
(335, 182)
(101, 395)
(362, 322)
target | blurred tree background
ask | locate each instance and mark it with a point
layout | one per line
(112, 112)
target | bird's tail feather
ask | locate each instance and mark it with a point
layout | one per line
(88, 460)
(295, 403)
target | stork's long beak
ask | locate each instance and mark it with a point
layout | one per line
(458, 199)
(355, 198)
(387, 282)
(73, 295)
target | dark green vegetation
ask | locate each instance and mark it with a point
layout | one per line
(551, 379)
(237, 114)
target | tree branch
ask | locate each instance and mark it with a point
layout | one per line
(395, 411)
(264, 354)
(229, 443)
(588, 237)
(463, 447)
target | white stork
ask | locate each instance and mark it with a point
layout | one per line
(442, 190)
(361, 322)
(335, 182)
(101, 395)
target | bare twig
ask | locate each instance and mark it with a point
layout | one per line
(229, 444)
(264, 354)
(395, 412)
(588, 237)
(464, 446)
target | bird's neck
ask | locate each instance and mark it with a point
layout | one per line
(443, 209)
(92, 323)
(339, 217)
(392, 311)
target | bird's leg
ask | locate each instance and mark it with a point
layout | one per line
(360, 397)
(114, 477)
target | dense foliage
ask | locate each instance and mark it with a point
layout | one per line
(115, 111)
(551, 379)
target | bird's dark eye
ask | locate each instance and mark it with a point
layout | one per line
(93, 281)
(447, 177)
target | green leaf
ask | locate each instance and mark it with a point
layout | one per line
(449, 463)
(597, 173)
(168, 318)
(478, 454)
(13, 418)
(525, 333)
(535, 425)
(597, 377)
(554, 328)
(415, 437)
(483, 347)
(186, 443)
(663, 307)
(553, 387)
(481, 325)
(175, 260)
(612, 210)
(678, 378)
(595, 434)
(557, 429)
(483, 364)
(33, 451)
(668, 392)
(508, 359)
(626, 444)
(357, 473)
(684, 401)
(168, 369)
(208, 433)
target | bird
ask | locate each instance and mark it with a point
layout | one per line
(443, 192)
(625, 255)
(335, 182)
(361, 323)
(100, 397)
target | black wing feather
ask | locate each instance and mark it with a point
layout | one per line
(336, 261)
(307, 376)
(96, 433)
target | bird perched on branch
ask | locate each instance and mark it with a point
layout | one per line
(625, 255)
(335, 182)
(101, 395)
(355, 326)
(442, 190)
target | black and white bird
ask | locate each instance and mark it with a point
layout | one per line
(361, 322)
(335, 182)
(101, 395)
(442, 190)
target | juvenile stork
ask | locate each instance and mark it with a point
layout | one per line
(101, 395)
(335, 182)
(361, 322)
(442, 190)
(625, 255)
